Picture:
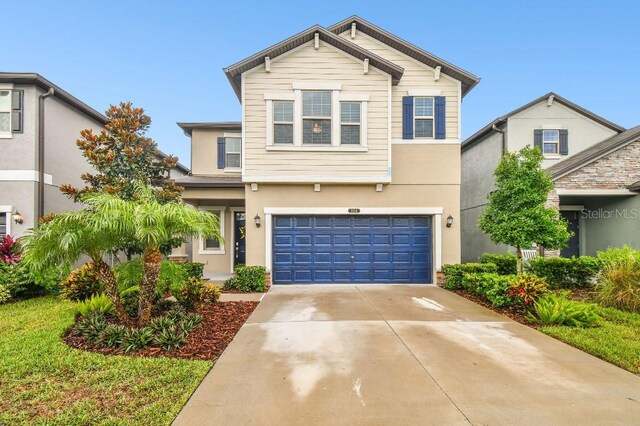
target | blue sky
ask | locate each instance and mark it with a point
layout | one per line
(167, 56)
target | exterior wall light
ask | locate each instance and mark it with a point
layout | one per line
(257, 220)
(17, 217)
(449, 221)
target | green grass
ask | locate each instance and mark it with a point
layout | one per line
(616, 339)
(43, 381)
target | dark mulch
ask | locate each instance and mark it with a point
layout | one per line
(220, 323)
(515, 312)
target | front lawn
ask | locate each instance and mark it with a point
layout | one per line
(616, 339)
(42, 380)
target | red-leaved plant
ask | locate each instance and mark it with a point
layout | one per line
(9, 250)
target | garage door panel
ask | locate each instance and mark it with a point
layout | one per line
(343, 249)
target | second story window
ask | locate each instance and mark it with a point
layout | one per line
(550, 141)
(5, 113)
(233, 150)
(283, 122)
(316, 118)
(350, 123)
(423, 117)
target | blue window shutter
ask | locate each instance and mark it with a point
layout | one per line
(221, 153)
(440, 117)
(564, 142)
(407, 117)
(537, 139)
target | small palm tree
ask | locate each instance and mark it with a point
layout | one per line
(103, 225)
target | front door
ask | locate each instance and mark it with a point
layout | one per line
(573, 247)
(240, 249)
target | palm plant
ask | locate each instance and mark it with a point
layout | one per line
(100, 229)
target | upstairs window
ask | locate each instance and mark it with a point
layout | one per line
(316, 118)
(283, 122)
(4, 224)
(233, 150)
(350, 123)
(5, 113)
(423, 117)
(550, 141)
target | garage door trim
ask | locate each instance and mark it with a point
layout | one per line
(436, 212)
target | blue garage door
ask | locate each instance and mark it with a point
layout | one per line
(352, 249)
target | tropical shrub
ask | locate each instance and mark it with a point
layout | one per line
(81, 284)
(135, 339)
(193, 269)
(565, 273)
(9, 253)
(91, 327)
(491, 286)
(558, 309)
(15, 278)
(527, 288)
(98, 303)
(618, 283)
(160, 323)
(112, 335)
(189, 292)
(454, 273)
(170, 338)
(505, 263)
(176, 313)
(210, 292)
(131, 300)
(190, 322)
(5, 294)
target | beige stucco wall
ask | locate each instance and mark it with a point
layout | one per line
(325, 65)
(583, 132)
(204, 152)
(417, 76)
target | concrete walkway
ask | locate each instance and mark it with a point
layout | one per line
(386, 355)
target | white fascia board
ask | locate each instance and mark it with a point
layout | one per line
(316, 179)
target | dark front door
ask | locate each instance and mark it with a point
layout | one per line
(573, 247)
(352, 249)
(240, 250)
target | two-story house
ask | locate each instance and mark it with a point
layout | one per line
(594, 164)
(345, 166)
(39, 125)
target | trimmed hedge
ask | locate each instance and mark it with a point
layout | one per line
(247, 279)
(561, 272)
(453, 273)
(505, 263)
(193, 269)
(494, 287)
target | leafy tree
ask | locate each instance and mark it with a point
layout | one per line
(516, 214)
(104, 224)
(122, 155)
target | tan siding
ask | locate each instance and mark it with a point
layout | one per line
(308, 64)
(416, 76)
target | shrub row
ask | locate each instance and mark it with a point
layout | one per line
(454, 273)
(247, 279)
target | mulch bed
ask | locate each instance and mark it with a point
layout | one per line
(515, 312)
(220, 323)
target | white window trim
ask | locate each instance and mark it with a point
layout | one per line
(551, 155)
(221, 250)
(351, 123)
(6, 210)
(9, 134)
(336, 98)
(432, 117)
(436, 212)
(236, 136)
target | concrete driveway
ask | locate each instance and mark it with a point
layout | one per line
(380, 355)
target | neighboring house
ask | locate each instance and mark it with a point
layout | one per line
(345, 166)
(39, 125)
(594, 164)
